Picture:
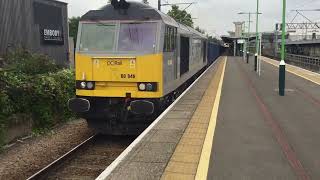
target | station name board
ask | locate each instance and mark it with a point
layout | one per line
(241, 41)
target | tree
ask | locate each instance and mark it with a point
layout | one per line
(180, 16)
(202, 31)
(214, 39)
(73, 28)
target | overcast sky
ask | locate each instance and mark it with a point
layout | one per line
(217, 16)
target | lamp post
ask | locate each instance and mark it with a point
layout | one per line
(257, 38)
(241, 38)
(248, 46)
(243, 41)
(249, 26)
(159, 5)
(282, 65)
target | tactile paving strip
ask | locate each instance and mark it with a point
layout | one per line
(184, 162)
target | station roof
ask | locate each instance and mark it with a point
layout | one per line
(228, 39)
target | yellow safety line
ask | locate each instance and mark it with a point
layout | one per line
(203, 166)
(295, 73)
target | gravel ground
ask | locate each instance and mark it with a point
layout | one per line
(27, 157)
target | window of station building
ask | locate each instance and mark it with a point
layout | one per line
(170, 39)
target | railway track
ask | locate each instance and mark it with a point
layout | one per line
(87, 160)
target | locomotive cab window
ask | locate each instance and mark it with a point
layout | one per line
(170, 39)
(97, 37)
(133, 37)
(137, 37)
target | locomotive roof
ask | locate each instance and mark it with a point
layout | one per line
(137, 11)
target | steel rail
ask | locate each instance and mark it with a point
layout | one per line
(46, 170)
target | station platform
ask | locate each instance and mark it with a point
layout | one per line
(232, 124)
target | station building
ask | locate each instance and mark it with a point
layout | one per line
(40, 26)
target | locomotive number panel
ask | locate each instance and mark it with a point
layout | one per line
(128, 76)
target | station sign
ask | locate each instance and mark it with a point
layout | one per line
(240, 41)
(52, 36)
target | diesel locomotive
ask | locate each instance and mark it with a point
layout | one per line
(131, 62)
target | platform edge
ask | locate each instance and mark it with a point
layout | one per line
(203, 167)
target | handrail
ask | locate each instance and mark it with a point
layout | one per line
(306, 62)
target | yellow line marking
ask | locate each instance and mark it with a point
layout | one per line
(270, 61)
(203, 166)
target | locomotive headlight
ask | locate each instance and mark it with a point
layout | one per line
(149, 87)
(90, 85)
(142, 86)
(83, 85)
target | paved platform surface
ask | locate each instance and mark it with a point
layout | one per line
(172, 149)
(306, 74)
(260, 135)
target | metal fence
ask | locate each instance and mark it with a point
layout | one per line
(303, 37)
(306, 62)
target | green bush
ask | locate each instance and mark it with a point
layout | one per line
(33, 85)
(5, 109)
(29, 63)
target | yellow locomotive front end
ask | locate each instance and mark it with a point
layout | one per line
(119, 75)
